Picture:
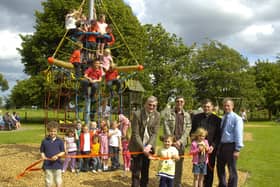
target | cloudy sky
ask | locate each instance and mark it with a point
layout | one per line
(249, 26)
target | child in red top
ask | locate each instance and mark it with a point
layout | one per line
(75, 59)
(93, 77)
(112, 78)
(85, 146)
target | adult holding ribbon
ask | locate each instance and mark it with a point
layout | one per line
(145, 126)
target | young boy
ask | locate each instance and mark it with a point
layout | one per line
(52, 148)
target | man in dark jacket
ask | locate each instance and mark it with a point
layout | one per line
(211, 123)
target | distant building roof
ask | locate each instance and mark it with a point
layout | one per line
(134, 85)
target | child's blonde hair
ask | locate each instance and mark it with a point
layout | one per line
(199, 132)
(107, 50)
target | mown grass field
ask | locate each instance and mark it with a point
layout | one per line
(259, 158)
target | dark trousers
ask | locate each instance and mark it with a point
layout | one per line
(140, 166)
(77, 67)
(110, 84)
(166, 182)
(208, 179)
(114, 151)
(94, 87)
(225, 157)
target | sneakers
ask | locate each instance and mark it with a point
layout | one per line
(127, 169)
(99, 170)
(105, 168)
(93, 171)
(73, 170)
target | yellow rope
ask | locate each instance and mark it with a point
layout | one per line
(129, 50)
(60, 43)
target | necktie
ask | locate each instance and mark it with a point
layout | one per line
(224, 123)
(146, 133)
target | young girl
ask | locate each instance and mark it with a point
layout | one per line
(106, 60)
(70, 150)
(95, 149)
(104, 147)
(167, 166)
(199, 149)
(126, 154)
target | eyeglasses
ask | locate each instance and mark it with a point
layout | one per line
(179, 101)
(152, 105)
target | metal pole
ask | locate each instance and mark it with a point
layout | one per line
(91, 6)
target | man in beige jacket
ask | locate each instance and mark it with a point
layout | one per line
(177, 122)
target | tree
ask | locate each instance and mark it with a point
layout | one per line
(3, 83)
(168, 67)
(268, 83)
(36, 48)
(29, 92)
(220, 71)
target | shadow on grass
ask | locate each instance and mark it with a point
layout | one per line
(120, 181)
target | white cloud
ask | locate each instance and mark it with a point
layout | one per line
(253, 31)
(234, 7)
(138, 7)
(9, 42)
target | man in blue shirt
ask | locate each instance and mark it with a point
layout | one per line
(52, 148)
(230, 146)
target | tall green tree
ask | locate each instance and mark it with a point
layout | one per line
(220, 71)
(268, 83)
(168, 67)
(29, 92)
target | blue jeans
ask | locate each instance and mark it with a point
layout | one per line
(96, 163)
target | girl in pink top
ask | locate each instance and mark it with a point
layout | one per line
(104, 146)
(106, 61)
(199, 149)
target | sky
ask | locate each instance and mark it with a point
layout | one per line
(249, 26)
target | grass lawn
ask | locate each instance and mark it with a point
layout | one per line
(27, 134)
(260, 156)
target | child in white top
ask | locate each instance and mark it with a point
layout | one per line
(169, 154)
(114, 144)
(70, 150)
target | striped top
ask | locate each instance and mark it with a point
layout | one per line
(71, 145)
